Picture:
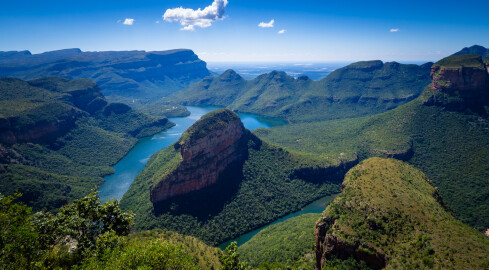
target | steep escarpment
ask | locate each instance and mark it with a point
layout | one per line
(460, 82)
(134, 77)
(449, 145)
(220, 181)
(206, 150)
(358, 89)
(59, 137)
(389, 215)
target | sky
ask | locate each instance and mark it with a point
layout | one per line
(251, 30)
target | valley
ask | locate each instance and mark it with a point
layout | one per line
(377, 165)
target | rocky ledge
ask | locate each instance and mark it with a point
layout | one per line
(460, 82)
(206, 149)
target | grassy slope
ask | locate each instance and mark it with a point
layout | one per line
(52, 173)
(450, 147)
(389, 206)
(263, 190)
(288, 243)
(359, 89)
(151, 248)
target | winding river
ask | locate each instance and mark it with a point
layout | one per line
(128, 168)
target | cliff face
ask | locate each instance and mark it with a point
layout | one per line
(390, 216)
(460, 82)
(206, 150)
(34, 128)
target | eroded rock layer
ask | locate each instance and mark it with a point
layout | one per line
(206, 149)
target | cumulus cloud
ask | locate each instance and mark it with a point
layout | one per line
(393, 30)
(266, 25)
(189, 18)
(281, 31)
(128, 21)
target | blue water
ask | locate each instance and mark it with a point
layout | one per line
(128, 168)
(318, 206)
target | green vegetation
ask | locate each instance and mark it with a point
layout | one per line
(476, 49)
(390, 209)
(450, 147)
(58, 138)
(359, 89)
(230, 259)
(86, 234)
(288, 244)
(463, 60)
(135, 78)
(270, 183)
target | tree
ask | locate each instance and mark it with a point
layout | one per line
(18, 244)
(230, 258)
(79, 224)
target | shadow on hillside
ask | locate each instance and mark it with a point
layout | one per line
(207, 202)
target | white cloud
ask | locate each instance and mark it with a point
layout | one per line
(189, 18)
(128, 21)
(266, 25)
(281, 31)
(157, 22)
(393, 30)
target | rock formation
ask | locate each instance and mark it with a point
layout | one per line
(460, 82)
(205, 150)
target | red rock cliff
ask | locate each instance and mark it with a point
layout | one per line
(460, 82)
(206, 149)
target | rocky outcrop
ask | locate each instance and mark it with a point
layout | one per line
(206, 149)
(460, 82)
(36, 128)
(328, 245)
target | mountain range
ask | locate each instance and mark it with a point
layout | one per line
(132, 77)
(358, 89)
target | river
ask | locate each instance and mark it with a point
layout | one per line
(129, 166)
(318, 206)
(133, 163)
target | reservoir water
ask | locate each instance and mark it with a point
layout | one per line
(318, 206)
(128, 168)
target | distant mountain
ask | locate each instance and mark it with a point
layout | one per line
(390, 216)
(444, 132)
(121, 75)
(219, 181)
(476, 49)
(358, 89)
(59, 137)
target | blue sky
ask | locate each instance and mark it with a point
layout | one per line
(314, 31)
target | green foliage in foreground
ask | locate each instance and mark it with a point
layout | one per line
(451, 148)
(263, 189)
(89, 235)
(230, 259)
(389, 207)
(289, 243)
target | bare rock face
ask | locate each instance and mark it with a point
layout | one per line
(207, 148)
(328, 245)
(31, 128)
(460, 82)
(469, 81)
